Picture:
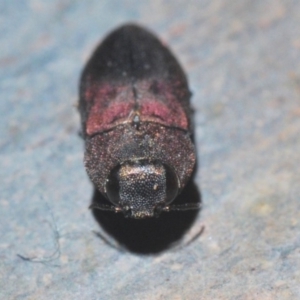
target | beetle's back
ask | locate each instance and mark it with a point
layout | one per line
(132, 53)
(133, 74)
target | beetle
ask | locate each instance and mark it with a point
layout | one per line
(136, 123)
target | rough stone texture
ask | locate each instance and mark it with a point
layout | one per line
(243, 62)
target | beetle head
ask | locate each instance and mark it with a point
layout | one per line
(141, 189)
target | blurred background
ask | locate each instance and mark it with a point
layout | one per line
(242, 59)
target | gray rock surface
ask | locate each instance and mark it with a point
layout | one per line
(243, 63)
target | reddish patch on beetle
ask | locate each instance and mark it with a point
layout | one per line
(101, 120)
(169, 116)
(161, 103)
(111, 106)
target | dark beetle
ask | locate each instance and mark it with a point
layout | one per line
(135, 112)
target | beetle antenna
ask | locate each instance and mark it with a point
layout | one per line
(182, 207)
(104, 207)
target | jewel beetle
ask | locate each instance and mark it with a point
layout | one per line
(136, 123)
